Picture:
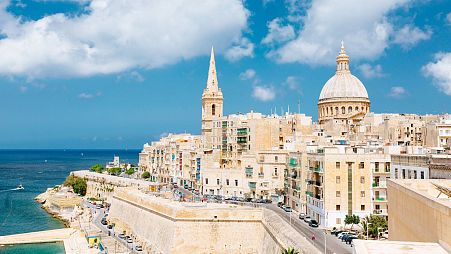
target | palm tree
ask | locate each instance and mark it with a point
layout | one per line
(290, 250)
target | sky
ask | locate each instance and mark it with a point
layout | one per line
(118, 74)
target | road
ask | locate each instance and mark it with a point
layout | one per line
(100, 213)
(333, 244)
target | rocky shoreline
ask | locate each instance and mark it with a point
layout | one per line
(60, 203)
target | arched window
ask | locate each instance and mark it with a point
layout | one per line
(349, 109)
(327, 111)
(356, 108)
(343, 110)
(336, 110)
(213, 109)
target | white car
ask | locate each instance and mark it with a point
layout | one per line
(129, 240)
(342, 234)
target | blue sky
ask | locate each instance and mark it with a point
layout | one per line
(117, 74)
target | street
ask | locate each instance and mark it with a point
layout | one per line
(333, 244)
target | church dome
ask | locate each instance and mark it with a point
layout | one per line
(343, 84)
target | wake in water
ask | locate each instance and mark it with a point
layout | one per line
(18, 188)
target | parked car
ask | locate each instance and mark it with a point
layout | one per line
(103, 221)
(279, 204)
(346, 236)
(268, 201)
(186, 186)
(287, 209)
(350, 238)
(301, 216)
(336, 232)
(109, 226)
(121, 236)
(139, 248)
(98, 206)
(313, 223)
(129, 240)
(307, 219)
(341, 234)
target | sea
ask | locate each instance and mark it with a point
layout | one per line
(37, 170)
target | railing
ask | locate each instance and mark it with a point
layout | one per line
(261, 174)
(309, 193)
(380, 211)
(381, 184)
(380, 199)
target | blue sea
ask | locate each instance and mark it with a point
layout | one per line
(38, 170)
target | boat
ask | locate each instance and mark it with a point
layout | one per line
(19, 187)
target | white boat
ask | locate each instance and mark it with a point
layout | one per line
(19, 187)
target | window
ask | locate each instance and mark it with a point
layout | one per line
(217, 181)
(227, 181)
(396, 173)
(337, 207)
(343, 111)
(213, 109)
(275, 171)
(236, 182)
(403, 173)
(362, 194)
(362, 164)
(422, 174)
(337, 194)
(338, 221)
(337, 179)
(276, 159)
(362, 207)
(362, 179)
(337, 165)
(349, 109)
(206, 180)
(415, 174)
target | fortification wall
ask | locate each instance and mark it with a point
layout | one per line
(164, 226)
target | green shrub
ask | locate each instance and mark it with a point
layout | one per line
(130, 171)
(145, 175)
(78, 184)
(114, 171)
(97, 168)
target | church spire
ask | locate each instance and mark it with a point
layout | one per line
(212, 81)
(342, 60)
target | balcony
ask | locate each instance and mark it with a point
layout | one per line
(380, 211)
(293, 162)
(309, 193)
(261, 175)
(380, 184)
(380, 171)
(380, 199)
(294, 174)
(252, 185)
(318, 170)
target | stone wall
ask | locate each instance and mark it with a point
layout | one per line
(165, 226)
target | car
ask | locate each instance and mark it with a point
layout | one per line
(279, 204)
(336, 232)
(346, 236)
(121, 236)
(313, 223)
(175, 186)
(268, 201)
(109, 226)
(103, 221)
(349, 239)
(288, 209)
(186, 186)
(340, 235)
(129, 240)
(139, 248)
(98, 206)
(301, 216)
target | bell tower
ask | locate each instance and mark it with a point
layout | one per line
(212, 103)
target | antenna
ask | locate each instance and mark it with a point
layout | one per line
(299, 106)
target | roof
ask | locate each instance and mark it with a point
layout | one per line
(396, 247)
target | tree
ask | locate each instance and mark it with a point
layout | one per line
(130, 171)
(145, 175)
(352, 219)
(375, 223)
(290, 250)
(78, 184)
(114, 171)
(97, 168)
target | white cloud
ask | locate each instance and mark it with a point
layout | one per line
(278, 33)
(264, 93)
(363, 25)
(369, 71)
(293, 84)
(409, 36)
(397, 92)
(88, 96)
(131, 76)
(244, 48)
(440, 71)
(248, 74)
(116, 36)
